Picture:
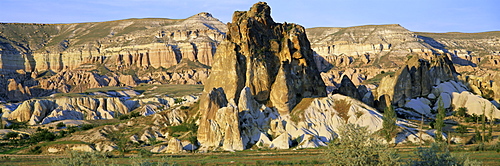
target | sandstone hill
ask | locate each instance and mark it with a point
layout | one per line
(266, 84)
(40, 59)
(265, 91)
(140, 42)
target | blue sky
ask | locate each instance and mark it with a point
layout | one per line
(415, 15)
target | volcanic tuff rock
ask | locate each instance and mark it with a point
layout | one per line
(139, 42)
(416, 79)
(366, 44)
(274, 60)
(46, 111)
(239, 112)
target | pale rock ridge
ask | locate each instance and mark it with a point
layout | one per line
(342, 46)
(138, 42)
(43, 111)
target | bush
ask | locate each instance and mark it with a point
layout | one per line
(10, 135)
(184, 127)
(461, 112)
(87, 126)
(354, 146)
(461, 129)
(43, 135)
(144, 153)
(135, 114)
(35, 150)
(179, 100)
(436, 156)
(60, 125)
(78, 158)
(123, 117)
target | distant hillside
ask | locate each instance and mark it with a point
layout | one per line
(57, 46)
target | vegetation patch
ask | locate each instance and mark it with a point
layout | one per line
(342, 107)
(376, 80)
(297, 113)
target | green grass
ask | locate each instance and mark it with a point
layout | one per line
(250, 157)
(106, 89)
(148, 90)
(61, 143)
(171, 90)
(13, 150)
(376, 80)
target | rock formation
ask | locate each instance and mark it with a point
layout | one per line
(416, 79)
(274, 60)
(132, 42)
(262, 79)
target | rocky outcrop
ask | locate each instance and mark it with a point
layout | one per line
(16, 91)
(366, 44)
(219, 123)
(259, 62)
(44, 111)
(117, 44)
(416, 79)
(274, 60)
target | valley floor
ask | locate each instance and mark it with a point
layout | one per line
(248, 157)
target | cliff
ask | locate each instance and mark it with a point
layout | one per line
(139, 42)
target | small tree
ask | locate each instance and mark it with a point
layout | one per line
(355, 146)
(121, 141)
(461, 112)
(461, 129)
(440, 120)
(389, 127)
(11, 135)
(60, 125)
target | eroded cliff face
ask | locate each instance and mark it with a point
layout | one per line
(416, 79)
(274, 60)
(364, 45)
(261, 63)
(41, 59)
(139, 42)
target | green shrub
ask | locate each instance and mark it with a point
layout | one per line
(123, 117)
(144, 153)
(35, 150)
(389, 127)
(43, 135)
(135, 114)
(461, 112)
(435, 155)
(184, 127)
(179, 100)
(60, 125)
(10, 135)
(87, 126)
(355, 146)
(461, 129)
(78, 158)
